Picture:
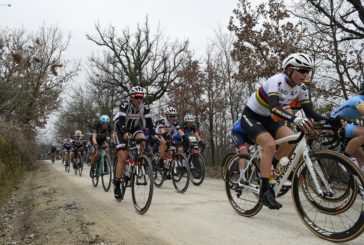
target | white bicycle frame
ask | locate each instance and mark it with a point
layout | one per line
(301, 149)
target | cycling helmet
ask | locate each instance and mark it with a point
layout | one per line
(137, 91)
(361, 88)
(189, 118)
(298, 60)
(170, 111)
(78, 133)
(104, 119)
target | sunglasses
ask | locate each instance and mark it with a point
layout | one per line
(138, 97)
(172, 116)
(302, 71)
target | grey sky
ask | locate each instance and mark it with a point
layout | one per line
(179, 19)
(194, 20)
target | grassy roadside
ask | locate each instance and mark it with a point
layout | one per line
(16, 153)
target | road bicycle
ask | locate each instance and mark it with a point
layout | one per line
(327, 189)
(103, 169)
(77, 162)
(138, 175)
(196, 161)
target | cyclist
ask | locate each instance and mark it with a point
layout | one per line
(67, 147)
(78, 146)
(165, 129)
(270, 98)
(100, 132)
(349, 111)
(133, 116)
(52, 153)
(188, 128)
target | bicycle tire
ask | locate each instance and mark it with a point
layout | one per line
(67, 166)
(80, 168)
(106, 177)
(333, 230)
(198, 170)
(142, 175)
(94, 179)
(338, 203)
(224, 161)
(180, 170)
(237, 194)
(158, 172)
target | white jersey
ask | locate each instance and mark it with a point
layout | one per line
(258, 101)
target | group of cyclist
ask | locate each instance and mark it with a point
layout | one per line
(262, 122)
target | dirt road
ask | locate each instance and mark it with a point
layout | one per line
(52, 207)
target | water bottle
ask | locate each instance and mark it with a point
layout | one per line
(281, 166)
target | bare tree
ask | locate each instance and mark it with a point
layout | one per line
(139, 58)
(33, 72)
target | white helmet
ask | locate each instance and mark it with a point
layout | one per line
(298, 60)
(189, 118)
(170, 111)
(78, 133)
(137, 91)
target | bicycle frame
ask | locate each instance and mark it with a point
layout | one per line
(301, 150)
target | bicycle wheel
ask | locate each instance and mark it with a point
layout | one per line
(197, 169)
(67, 166)
(106, 176)
(158, 171)
(180, 173)
(347, 223)
(224, 161)
(80, 167)
(243, 198)
(142, 184)
(94, 178)
(336, 198)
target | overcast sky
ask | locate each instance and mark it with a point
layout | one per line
(194, 20)
(179, 19)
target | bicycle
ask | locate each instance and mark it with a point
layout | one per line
(67, 162)
(318, 178)
(195, 161)
(138, 175)
(103, 169)
(175, 167)
(78, 165)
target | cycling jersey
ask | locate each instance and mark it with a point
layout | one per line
(187, 131)
(277, 84)
(349, 109)
(67, 144)
(78, 143)
(170, 127)
(102, 132)
(130, 119)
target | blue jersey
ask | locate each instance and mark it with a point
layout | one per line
(349, 109)
(237, 127)
(186, 130)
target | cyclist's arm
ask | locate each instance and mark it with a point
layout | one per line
(310, 113)
(277, 110)
(94, 137)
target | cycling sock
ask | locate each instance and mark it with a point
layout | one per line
(348, 154)
(265, 184)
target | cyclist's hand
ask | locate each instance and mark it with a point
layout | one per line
(127, 136)
(304, 124)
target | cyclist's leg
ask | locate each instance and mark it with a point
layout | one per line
(356, 133)
(254, 126)
(139, 135)
(240, 145)
(285, 148)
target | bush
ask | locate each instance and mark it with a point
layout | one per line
(16, 153)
